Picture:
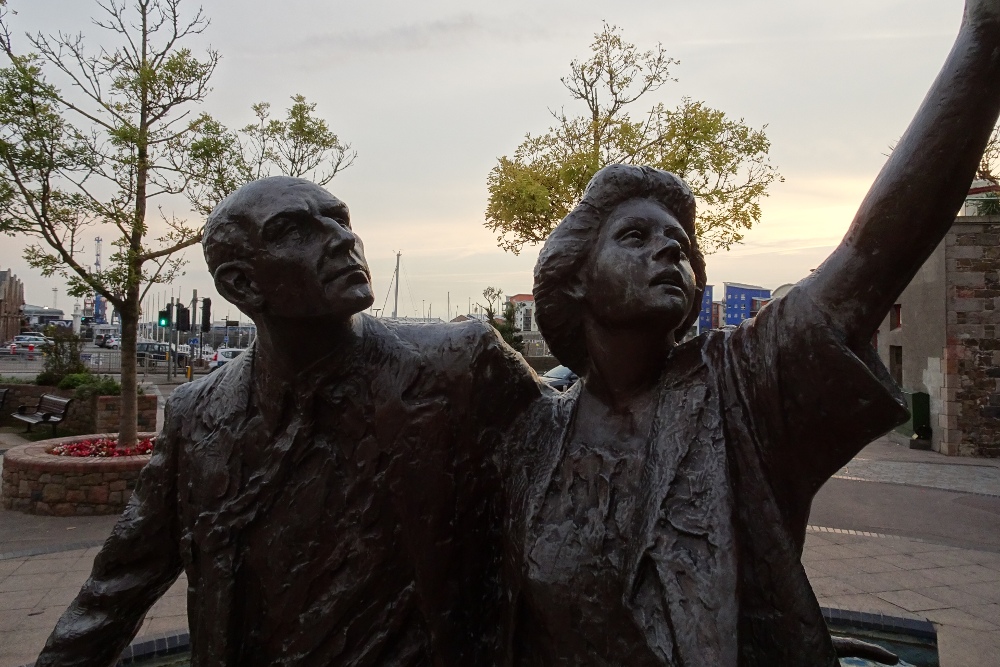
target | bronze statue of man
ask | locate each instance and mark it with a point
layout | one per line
(329, 493)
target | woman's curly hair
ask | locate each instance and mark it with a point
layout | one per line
(568, 248)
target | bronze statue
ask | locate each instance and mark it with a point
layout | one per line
(656, 513)
(357, 492)
(329, 492)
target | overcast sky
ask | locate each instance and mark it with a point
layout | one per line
(430, 94)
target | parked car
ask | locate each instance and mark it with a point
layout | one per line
(24, 340)
(151, 354)
(560, 378)
(112, 342)
(222, 355)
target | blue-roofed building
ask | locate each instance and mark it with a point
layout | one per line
(743, 301)
(705, 317)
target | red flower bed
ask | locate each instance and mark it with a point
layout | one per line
(103, 447)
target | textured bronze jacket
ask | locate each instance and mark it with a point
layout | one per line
(342, 520)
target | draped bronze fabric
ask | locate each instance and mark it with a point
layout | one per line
(750, 422)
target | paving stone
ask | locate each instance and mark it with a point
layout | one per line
(48, 565)
(958, 618)
(8, 567)
(28, 599)
(911, 600)
(951, 596)
(968, 648)
(907, 562)
(829, 586)
(32, 582)
(962, 574)
(881, 582)
(987, 593)
(988, 612)
(948, 558)
(834, 551)
(868, 603)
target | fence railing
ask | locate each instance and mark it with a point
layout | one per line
(987, 203)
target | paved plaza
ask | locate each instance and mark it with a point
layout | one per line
(45, 560)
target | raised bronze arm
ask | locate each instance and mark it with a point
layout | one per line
(914, 200)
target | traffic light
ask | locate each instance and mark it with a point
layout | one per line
(206, 315)
(164, 319)
(183, 318)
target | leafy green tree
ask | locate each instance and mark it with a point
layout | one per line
(121, 139)
(723, 160)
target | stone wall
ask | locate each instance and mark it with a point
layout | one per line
(970, 419)
(37, 482)
(99, 414)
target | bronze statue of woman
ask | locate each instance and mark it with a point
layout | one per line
(657, 511)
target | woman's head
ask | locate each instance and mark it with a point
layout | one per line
(647, 261)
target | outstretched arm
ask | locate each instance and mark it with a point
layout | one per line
(914, 200)
(137, 564)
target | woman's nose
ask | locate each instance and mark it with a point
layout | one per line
(668, 248)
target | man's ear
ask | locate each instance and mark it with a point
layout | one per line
(235, 283)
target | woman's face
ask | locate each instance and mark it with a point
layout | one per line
(639, 272)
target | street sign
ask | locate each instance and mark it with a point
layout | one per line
(225, 339)
(192, 341)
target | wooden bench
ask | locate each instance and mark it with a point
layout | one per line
(51, 409)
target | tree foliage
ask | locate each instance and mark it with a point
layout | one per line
(989, 171)
(506, 325)
(120, 139)
(723, 160)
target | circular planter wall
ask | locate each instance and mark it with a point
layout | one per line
(37, 482)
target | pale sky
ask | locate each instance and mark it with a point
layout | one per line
(430, 94)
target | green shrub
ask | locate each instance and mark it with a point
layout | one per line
(62, 357)
(98, 386)
(74, 380)
(13, 379)
(48, 378)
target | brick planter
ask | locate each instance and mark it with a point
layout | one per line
(36, 482)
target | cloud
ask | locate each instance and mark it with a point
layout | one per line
(443, 33)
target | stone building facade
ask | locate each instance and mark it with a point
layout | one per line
(11, 302)
(943, 337)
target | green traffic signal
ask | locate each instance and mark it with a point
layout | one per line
(164, 319)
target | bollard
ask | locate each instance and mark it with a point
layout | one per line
(190, 373)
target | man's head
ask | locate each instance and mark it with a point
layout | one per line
(283, 247)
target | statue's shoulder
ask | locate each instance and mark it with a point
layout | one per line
(223, 387)
(450, 338)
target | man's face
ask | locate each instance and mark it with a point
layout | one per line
(311, 263)
(639, 273)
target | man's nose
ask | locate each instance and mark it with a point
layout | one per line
(341, 237)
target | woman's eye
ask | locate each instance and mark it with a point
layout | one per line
(631, 236)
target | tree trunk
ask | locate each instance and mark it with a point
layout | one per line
(129, 427)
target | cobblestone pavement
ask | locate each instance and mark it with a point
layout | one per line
(950, 477)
